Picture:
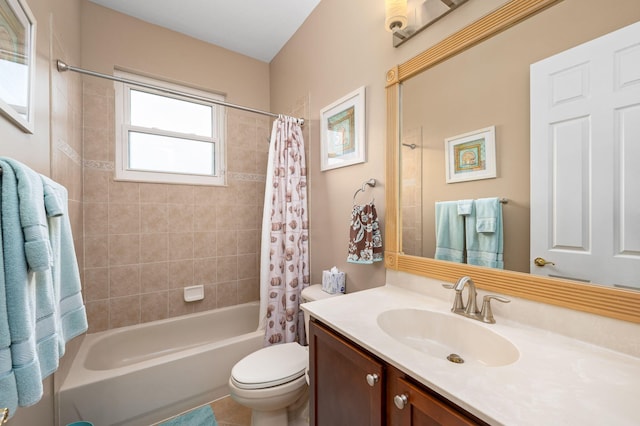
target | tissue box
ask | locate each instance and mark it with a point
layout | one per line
(333, 282)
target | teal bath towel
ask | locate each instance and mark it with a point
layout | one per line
(40, 284)
(19, 289)
(485, 234)
(202, 416)
(449, 232)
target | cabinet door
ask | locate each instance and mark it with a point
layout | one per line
(340, 391)
(421, 408)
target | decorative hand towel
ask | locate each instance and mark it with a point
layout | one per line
(365, 244)
(449, 232)
(485, 234)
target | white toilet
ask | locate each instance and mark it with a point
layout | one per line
(277, 392)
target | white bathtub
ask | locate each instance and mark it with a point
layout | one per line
(146, 373)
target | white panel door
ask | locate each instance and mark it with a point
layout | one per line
(585, 161)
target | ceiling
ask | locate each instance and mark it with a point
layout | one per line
(255, 28)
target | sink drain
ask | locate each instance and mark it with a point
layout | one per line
(455, 358)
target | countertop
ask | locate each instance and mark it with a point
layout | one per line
(557, 380)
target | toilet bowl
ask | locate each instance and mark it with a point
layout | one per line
(276, 390)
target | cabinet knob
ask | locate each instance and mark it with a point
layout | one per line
(372, 379)
(401, 400)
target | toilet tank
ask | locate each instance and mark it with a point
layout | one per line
(310, 294)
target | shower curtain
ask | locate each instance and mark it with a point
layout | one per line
(284, 261)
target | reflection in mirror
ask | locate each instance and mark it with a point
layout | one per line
(487, 85)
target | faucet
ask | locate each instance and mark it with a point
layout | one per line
(470, 310)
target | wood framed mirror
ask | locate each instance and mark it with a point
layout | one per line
(606, 301)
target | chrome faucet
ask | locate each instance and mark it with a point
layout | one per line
(470, 310)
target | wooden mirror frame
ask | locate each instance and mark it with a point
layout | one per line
(606, 301)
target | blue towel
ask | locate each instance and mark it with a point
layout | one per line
(41, 288)
(202, 416)
(449, 232)
(66, 275)
(32, 216)
(19, 288)
(484, 234)
(465, 207)
(8, 386)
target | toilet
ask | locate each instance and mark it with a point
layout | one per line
(277, 392)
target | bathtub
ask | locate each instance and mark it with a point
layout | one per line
(145, 373)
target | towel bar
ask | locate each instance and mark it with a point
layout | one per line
(371, 182)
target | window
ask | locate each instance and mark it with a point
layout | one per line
(162, 137)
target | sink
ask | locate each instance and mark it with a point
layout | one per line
(448, 336)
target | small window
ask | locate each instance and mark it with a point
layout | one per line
(162, 137)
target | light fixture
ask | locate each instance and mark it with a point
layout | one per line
(406, 18)
(395, 15)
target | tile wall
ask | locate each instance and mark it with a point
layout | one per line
(143, 243)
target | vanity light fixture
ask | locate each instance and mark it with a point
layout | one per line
(395, 15)
(406, 18)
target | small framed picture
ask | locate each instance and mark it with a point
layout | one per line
(471, 156)
(17, 62)
(342, 127)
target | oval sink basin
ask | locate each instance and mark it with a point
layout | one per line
(440, 335)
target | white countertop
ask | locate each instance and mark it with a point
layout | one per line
(556, 380)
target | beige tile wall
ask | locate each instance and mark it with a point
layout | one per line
(66, 142)
(144, 242)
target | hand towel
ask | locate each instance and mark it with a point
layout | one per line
(465, 207)
(365, 244)
(449, 232)
(485, 239)
(65, 273)
(487, 214)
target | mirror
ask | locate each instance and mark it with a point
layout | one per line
(586, 297)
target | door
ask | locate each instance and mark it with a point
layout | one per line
(585, 145)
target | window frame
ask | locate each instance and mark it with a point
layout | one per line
(123, 126)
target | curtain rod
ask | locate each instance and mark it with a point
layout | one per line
(62, 66)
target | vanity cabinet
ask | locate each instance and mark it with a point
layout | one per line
(346, 383)
(349, 386)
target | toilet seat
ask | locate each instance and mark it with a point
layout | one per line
(270, 366)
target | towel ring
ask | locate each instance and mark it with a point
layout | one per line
(371, 182)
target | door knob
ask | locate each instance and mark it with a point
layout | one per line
(401, 400)
(541, 262)
(372, 379)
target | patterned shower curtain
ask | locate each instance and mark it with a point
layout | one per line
(284, 264)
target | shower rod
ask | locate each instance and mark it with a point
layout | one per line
(62, 66)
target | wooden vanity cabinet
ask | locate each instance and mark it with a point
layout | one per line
(339, 391)
(351, 387)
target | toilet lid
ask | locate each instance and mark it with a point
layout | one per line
(271, 366)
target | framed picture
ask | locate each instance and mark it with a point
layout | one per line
(471, 156)
(342, 130)
(17, 62)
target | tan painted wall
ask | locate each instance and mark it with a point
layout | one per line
(342, 46)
